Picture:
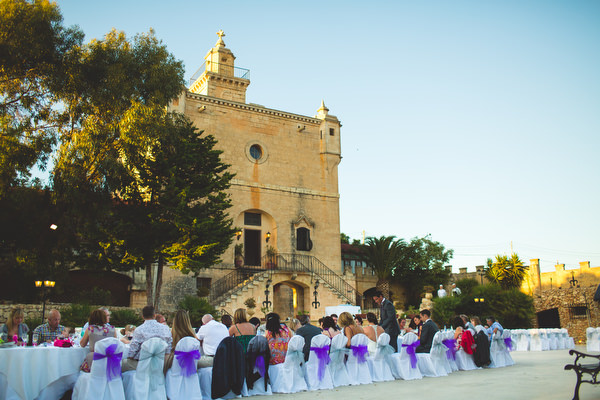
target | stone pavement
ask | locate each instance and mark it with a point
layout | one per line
(536, 375)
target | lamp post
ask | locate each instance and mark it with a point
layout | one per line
(316, 303)
(267, 303)
(44, 285)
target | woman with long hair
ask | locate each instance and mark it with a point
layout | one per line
(242, 330)
(97, 329)
(278, 335)
(182, 327)
(349, 327)
(329, 327)
(14, 326)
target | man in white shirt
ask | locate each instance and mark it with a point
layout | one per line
(210, 334)
(442, 291)
(149, 329)
(455, 290)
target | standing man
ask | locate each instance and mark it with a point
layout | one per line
(455, 290)
(388, 321)
(428, 331)
(442, 291)
(307, 331)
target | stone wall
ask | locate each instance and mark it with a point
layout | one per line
(564, 299)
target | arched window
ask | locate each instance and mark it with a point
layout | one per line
(303, 241)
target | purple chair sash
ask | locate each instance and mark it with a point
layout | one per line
(508, 343)
(186, 360)
(410, 350)
(259, 364)
(113, 361)
(451, 345)
(323, 356)
(360, 352)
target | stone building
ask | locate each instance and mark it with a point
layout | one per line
(285, 199)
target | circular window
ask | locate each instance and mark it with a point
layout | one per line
(255, 152)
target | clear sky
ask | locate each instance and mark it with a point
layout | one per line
(477, 122)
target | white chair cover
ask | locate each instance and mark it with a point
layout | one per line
(523, 340)
(96, 384)
(356, 364)
(507, 335)
(402, 368)
(438, 358)
(337, 365)
(545, 340)
(147, 381)
(449, 335)
(592, 343)
(178, 385)
(288, 377)
(316, 373)
(496, 351)
(535, 342)
(379, 364)
(552, 338)
(569, 341)
(205, 380)
(561, 339)
(258, 388)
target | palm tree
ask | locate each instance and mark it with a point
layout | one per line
(508, 272)
(382, 255)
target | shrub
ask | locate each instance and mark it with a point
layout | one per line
(197, 307)
(75, 315)
(444, 308)
(466, 286)
(125, 317)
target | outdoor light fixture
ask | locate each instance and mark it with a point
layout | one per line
(53, 227)
(479, 299)
(238, 234)
(316, 303)
(44, 285)
(267, 237)
(573, 281)
(267, 303)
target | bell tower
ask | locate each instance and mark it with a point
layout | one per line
(219, 77)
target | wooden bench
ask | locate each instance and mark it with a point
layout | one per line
(592, 369)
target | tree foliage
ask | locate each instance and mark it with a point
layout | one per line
(383, 256)
(508, 272)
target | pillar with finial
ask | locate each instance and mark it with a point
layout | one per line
(329, 133)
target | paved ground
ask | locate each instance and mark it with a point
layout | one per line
(536, 375)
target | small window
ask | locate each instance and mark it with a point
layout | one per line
(253, 219)
(347, 263)
(256, 152)
(303, 241)
(578, 311)
(331, 132)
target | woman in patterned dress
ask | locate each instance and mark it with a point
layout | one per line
(278, 335)
(97, 330)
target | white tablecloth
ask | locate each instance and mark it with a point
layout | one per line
(28, 370)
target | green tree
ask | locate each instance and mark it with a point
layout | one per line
(383, 256)
(508, 272)
(33, 48)
(345, 239)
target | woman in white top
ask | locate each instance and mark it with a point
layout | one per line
(372, 331)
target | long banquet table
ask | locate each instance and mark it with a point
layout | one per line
(26, 371)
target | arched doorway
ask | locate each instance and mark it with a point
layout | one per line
(259, 232)
(288, 299)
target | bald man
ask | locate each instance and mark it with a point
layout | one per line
(210, 334)
(51, 329)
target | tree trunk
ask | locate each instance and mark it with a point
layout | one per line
(159, 275)
(149, 286)
(383, 285)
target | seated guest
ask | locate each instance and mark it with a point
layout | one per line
(427, 332)
(106, 311)
(358, 319)
(494, 326)
(458, 325)
(294, 324)
(348, 326)
(161, 319)
(227, 321)
(127, 333)
(210, 334)
(278, 336)
(182, 327)
(149, 329)
(372, 331)
(307, 331)
(330, 329)
(477, 323)
(415, 325)
(97, 330)
(14, 326)
(242, 330)
(402, 323)
(50, 330)
(467, 324)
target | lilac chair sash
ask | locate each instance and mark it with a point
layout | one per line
(259, 364)
(360, 352)
(508, 343)
(323, 356)
(451, 345)
(410, 350)
(113, 361)
(186, 360)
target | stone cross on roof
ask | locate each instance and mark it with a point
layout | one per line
(220, 34)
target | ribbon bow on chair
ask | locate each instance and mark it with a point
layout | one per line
(186, 360)
(410, 350)
(113, 361)
(156, 360)
(259, 365)
(451, 345)
(360, 352)
(508, 343)
(384, 351)
(323, 356)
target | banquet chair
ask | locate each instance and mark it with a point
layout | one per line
(464, 355)
(552, 338)
(523, 340)
(592, 343)
(438, 357)
(379, 363)
(356, 364)
(147, 380)
(535, 342)
(405, 362)
(450, 341)
(497, 351)
(288, 377)
(103, 382)
(337, 365)
(182, 379)
(569, 341)
(226, 376)
(561, 339)
(316, 373)
(509, 345)
(545, 340)
(257, 367)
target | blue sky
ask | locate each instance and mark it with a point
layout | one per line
(477, 122)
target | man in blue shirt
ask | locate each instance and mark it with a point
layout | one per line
(494, 327)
